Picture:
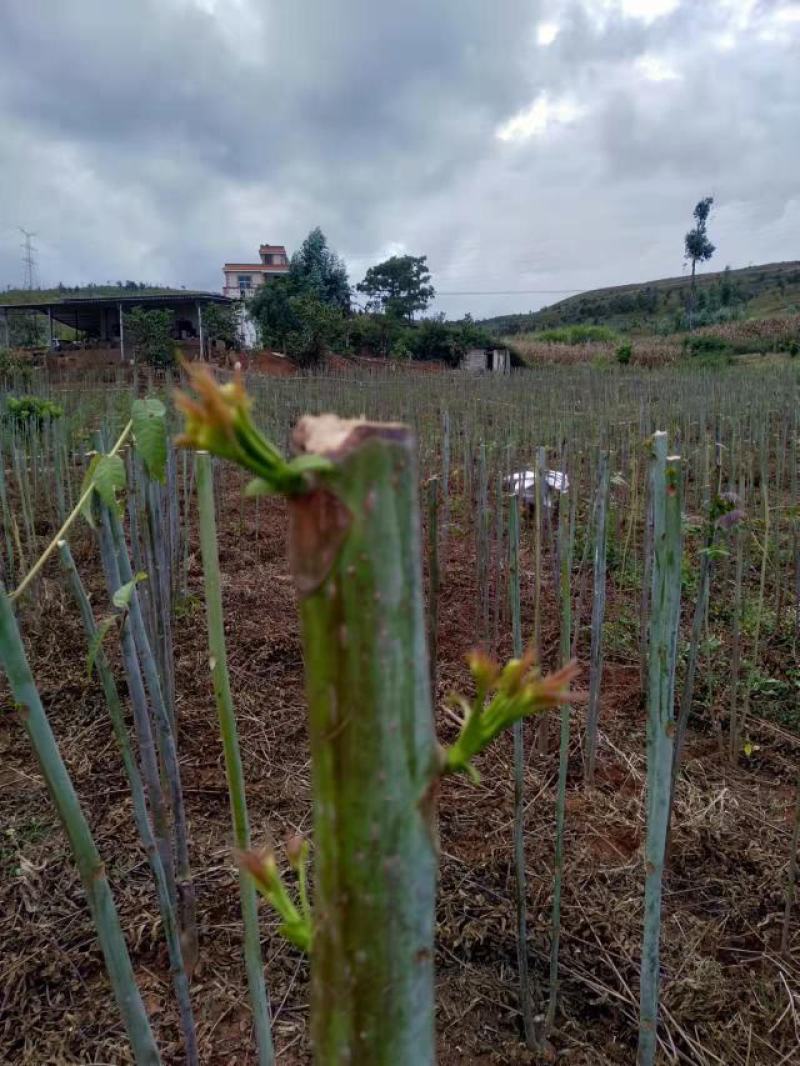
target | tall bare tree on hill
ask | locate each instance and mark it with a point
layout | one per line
(698, 248)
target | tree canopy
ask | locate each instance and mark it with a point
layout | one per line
(316, 270)
(301, 312)
(698, 247)
(399, 286)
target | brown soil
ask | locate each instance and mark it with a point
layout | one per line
(728, 998)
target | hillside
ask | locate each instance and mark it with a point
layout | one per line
(661, 305)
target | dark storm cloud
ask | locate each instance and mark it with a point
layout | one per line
(154, 140)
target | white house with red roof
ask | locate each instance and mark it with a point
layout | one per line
(242, 279)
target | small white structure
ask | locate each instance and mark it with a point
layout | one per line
(522, 483)
(487, 361)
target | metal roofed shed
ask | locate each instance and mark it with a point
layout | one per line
(101, 318)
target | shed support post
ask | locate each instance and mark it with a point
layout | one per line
(50, 327)
(200, 329)
(121, 334)
(7, 331)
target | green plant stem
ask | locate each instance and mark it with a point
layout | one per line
(762, 583)
(218, 661)
(565, 568)
(598, 615)
(167, 747)
(355, 552)
(526, 1006)
(141, 715)
(691, 665)
(665, 616)
(165, 902)
(543, 731)
(87, 857)
(433, 579)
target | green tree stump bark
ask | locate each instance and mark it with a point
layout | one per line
(355, 551)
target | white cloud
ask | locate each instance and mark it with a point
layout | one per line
(546, 33)
(656, 68)
(542, 115)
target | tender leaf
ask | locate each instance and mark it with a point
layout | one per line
(97, 640)
(150, 434)
(122, 597)
(106, 473)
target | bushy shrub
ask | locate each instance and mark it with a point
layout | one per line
(624, 352)
(31, 411)
(707, 344)
(434, 339)
(150, 333)
(15, 365)
(317, 328)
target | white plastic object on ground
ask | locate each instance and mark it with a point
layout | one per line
(522, 483)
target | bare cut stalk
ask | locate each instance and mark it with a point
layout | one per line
(433, 580)
(141, 716)
(647, 571)
(760, 603)
(665, 617)
(499, 549)
(87, 857)
(598, 616)
(218, 661)
(165, 899)
(526, 1006)
(483, 548)
(445, 523)
(543, 731)
(736, 649)
(565, 649)
(166, 741)
(687, 695)
(355, 552)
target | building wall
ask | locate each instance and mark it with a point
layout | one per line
(257, 279)
(479, 360)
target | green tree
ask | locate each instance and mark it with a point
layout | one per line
(271, 311)
(221, 323)
(150, 333)
(400, 286)
(318, 271)
(317, 327)
(698, 248)
(302, 312)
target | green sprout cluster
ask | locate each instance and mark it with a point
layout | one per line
(517, 691)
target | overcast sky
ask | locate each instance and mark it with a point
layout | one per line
(519, 144)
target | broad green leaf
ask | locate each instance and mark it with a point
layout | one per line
(122, 597)
(150, 435)
(107, 474)
(97, 640)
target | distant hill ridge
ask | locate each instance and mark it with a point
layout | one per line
(765, 290)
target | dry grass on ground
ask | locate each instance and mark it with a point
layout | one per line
(728, 997)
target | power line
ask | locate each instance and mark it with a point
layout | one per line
(29, 258)
(512, 292)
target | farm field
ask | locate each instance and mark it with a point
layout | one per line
(730, 958)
